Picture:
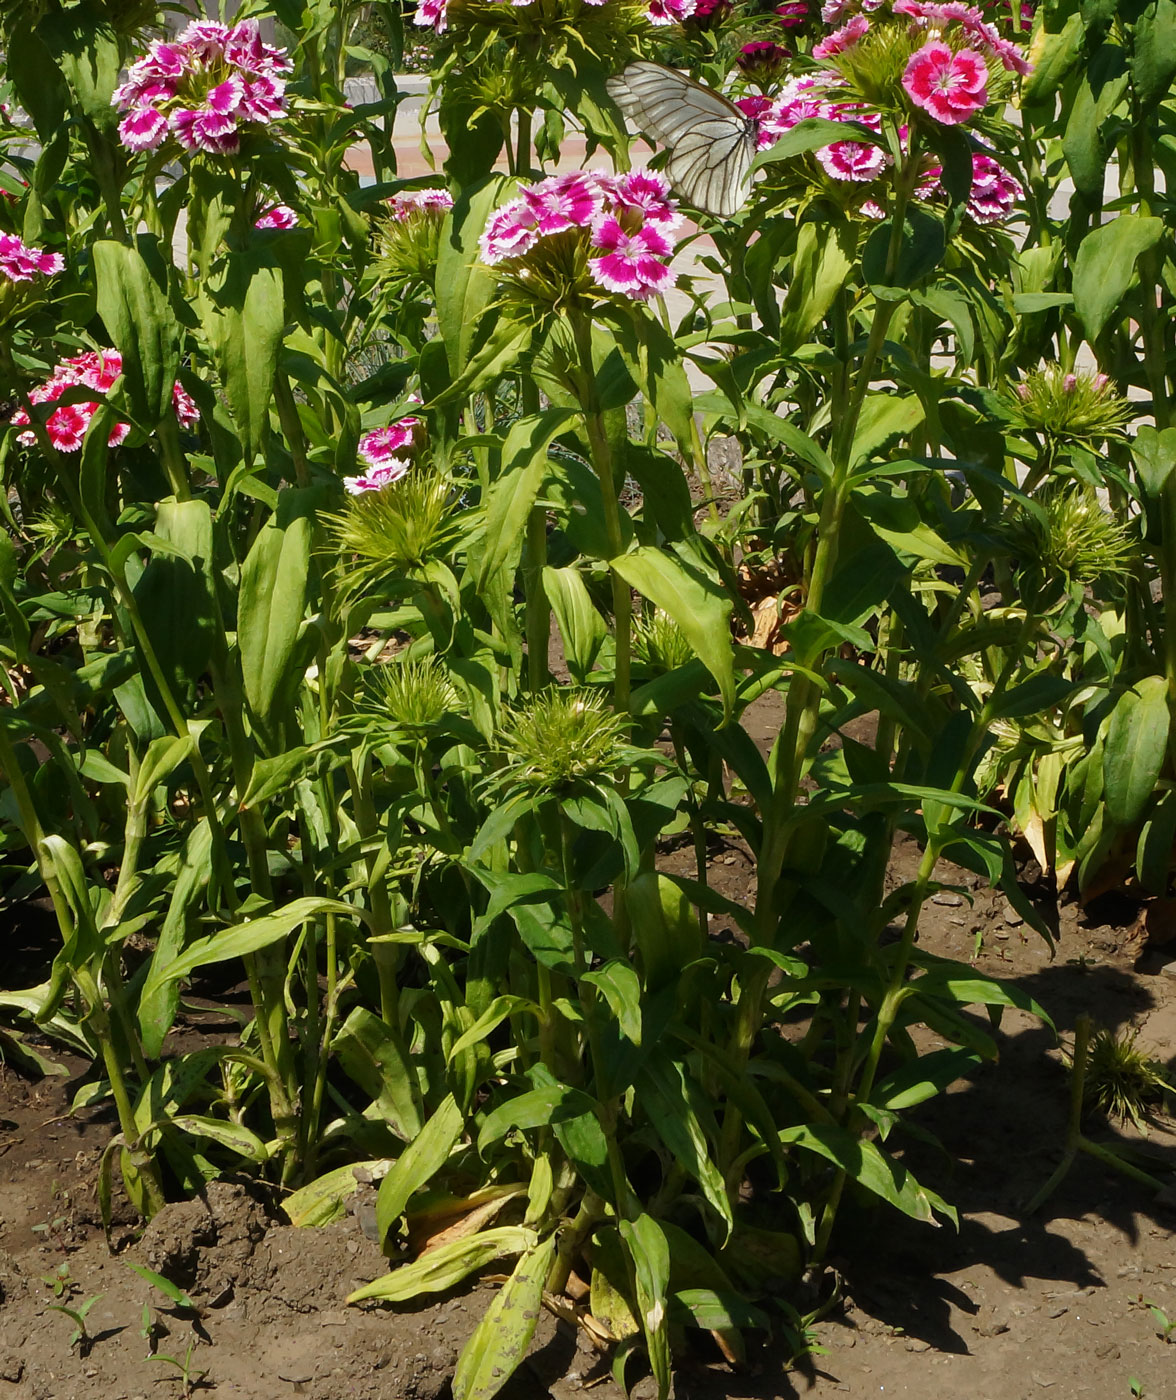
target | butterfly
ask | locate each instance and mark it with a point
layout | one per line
(711, 142)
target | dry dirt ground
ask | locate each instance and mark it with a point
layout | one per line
(1010, 1308)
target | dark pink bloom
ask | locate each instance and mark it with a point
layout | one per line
(950, 86)
(758, 108)
(972, 22)
(793, 14)
(185, 406)
(709, 14)
(762, 59)
(206, 131)
(844, 38)
(649, 192)
(632, 263)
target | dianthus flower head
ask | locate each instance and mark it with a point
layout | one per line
(846, 37)
(979, 33)
(20, 263)
(409, 203)
(277, 216)
(201, 87)
(949, 85)
(432, 14)
(382, 445)
(663, 12)
(994, 191)
(619, 223)
(852, 160)
(793, 14)
(389, 471)
(762, 60)
(710, 14)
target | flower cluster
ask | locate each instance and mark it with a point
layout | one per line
(378, 450)
(20, 263)
(856, 160)
(201, 87)
(625, 221)
(96, 370)
(762, 61)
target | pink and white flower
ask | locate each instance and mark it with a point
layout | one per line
(980, 33)
(949, 85)
(853, 160)
(20, 263)
(381, 446)
(632, 263)
(564, 201)
(389, 471)
(663, 12)
(994, 191)
(407, 203)
(277, 216)
(432, 14)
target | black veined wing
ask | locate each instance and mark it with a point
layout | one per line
(710, 141)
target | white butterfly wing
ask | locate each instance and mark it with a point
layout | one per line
(710, 141)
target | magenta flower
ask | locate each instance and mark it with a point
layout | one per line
(648, 192)
(709, 14)
(511, 232)
(844, 38)
(143, 128)
(949, 86)
(277, 216)
(794, 14)
(407, 203)
(20, 263)
(994, 191)
(390, 470)
(632, 263)
(852, 160)
(380, 446)
(759, 109)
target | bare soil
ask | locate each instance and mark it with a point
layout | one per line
(1052, 1306)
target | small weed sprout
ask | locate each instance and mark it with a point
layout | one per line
(1165, 1326)
(80, 1337)
(189, 1382)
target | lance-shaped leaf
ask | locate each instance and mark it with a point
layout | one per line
(695, 601)
(646, 1244)
(501, 1339)
(244, 322)
(274, 582)
(138, 319)
(418, 1163)
(444, 1267)
(1137, 740)
(510, 498)
(1105, 267)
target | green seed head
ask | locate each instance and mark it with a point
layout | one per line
(563, 736)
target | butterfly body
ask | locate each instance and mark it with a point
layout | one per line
(711, 143)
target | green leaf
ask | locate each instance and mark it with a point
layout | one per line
(695, 601)
(465, 286)
(501, 1339)
(1105, 267)
(165, 1285)
(139, 321)
(235, 1136)
(270, 610)
(812, 134)
(510, 498)
(719, 1311)
(244, 320)
(374, 1056)
(921, 246)
(1136, 743)
(924, 1078)
(824, 258)
(418, 1164)
(871, 1168)
(664, 1092)
(621, 988)
(537, 1108)
(248, 937)
(1153, 53)
(445, 1267)
(647, 1247)
(323, 1201)
(581, 627)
